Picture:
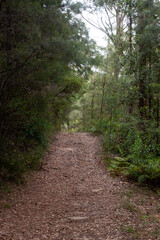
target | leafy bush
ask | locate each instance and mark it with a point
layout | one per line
(117, 165)
(139, 153)
(144, 171)
(118, 137)
(37, 130)
(98, 127)
(127, 134)
(15, 164)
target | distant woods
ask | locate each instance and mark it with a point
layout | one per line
(45, 57)
(122, 100)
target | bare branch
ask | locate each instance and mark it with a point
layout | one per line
(93, 24)
(108, 9)
(109, 20)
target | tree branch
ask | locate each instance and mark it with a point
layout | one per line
(19, 66)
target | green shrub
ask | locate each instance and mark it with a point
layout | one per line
(14, 164)
(118, 137)
(127, 134)
(142, 164)
(144, 171)
(98, 127)
(117, 165)
(37, 130)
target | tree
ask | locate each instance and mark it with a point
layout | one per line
(45, 56)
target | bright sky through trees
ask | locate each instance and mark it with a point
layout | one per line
(94, 33)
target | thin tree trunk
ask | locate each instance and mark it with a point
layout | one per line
(83, 115)
(102, 100)
(142, 104)
(157, 118)
(150, 96)
(92, 101)
(142, 90)
(130, 37)
(117, 67)
(119, 22)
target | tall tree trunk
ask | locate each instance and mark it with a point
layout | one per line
(83, 115)
(117, 67)
(119, 23)
(142, 87)
(150, 96)
(102, 100)
(130, 37)
(92, 101)
(157, 118)
(142, 103)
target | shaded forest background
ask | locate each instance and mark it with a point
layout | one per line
(52, 75)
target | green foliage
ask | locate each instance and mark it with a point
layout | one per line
(99, 127)
(122, 101)
(118, 165)
(45, 56)
(15, 163)
(145, 171)
(7, 205)
(140, 165)
(143, 148)
(129, 206)
(117, 137)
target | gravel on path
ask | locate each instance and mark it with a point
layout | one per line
(73, 197)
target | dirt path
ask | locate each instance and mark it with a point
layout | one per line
(74, 198)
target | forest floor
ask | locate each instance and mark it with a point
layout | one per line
(73, 197)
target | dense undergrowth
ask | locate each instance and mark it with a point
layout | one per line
(130, 152)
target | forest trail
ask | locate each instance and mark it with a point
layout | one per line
(73, 197)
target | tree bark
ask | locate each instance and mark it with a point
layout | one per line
(102, 100)
(130, 37)
(142, 102)
(157, 118)
(92, 101)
